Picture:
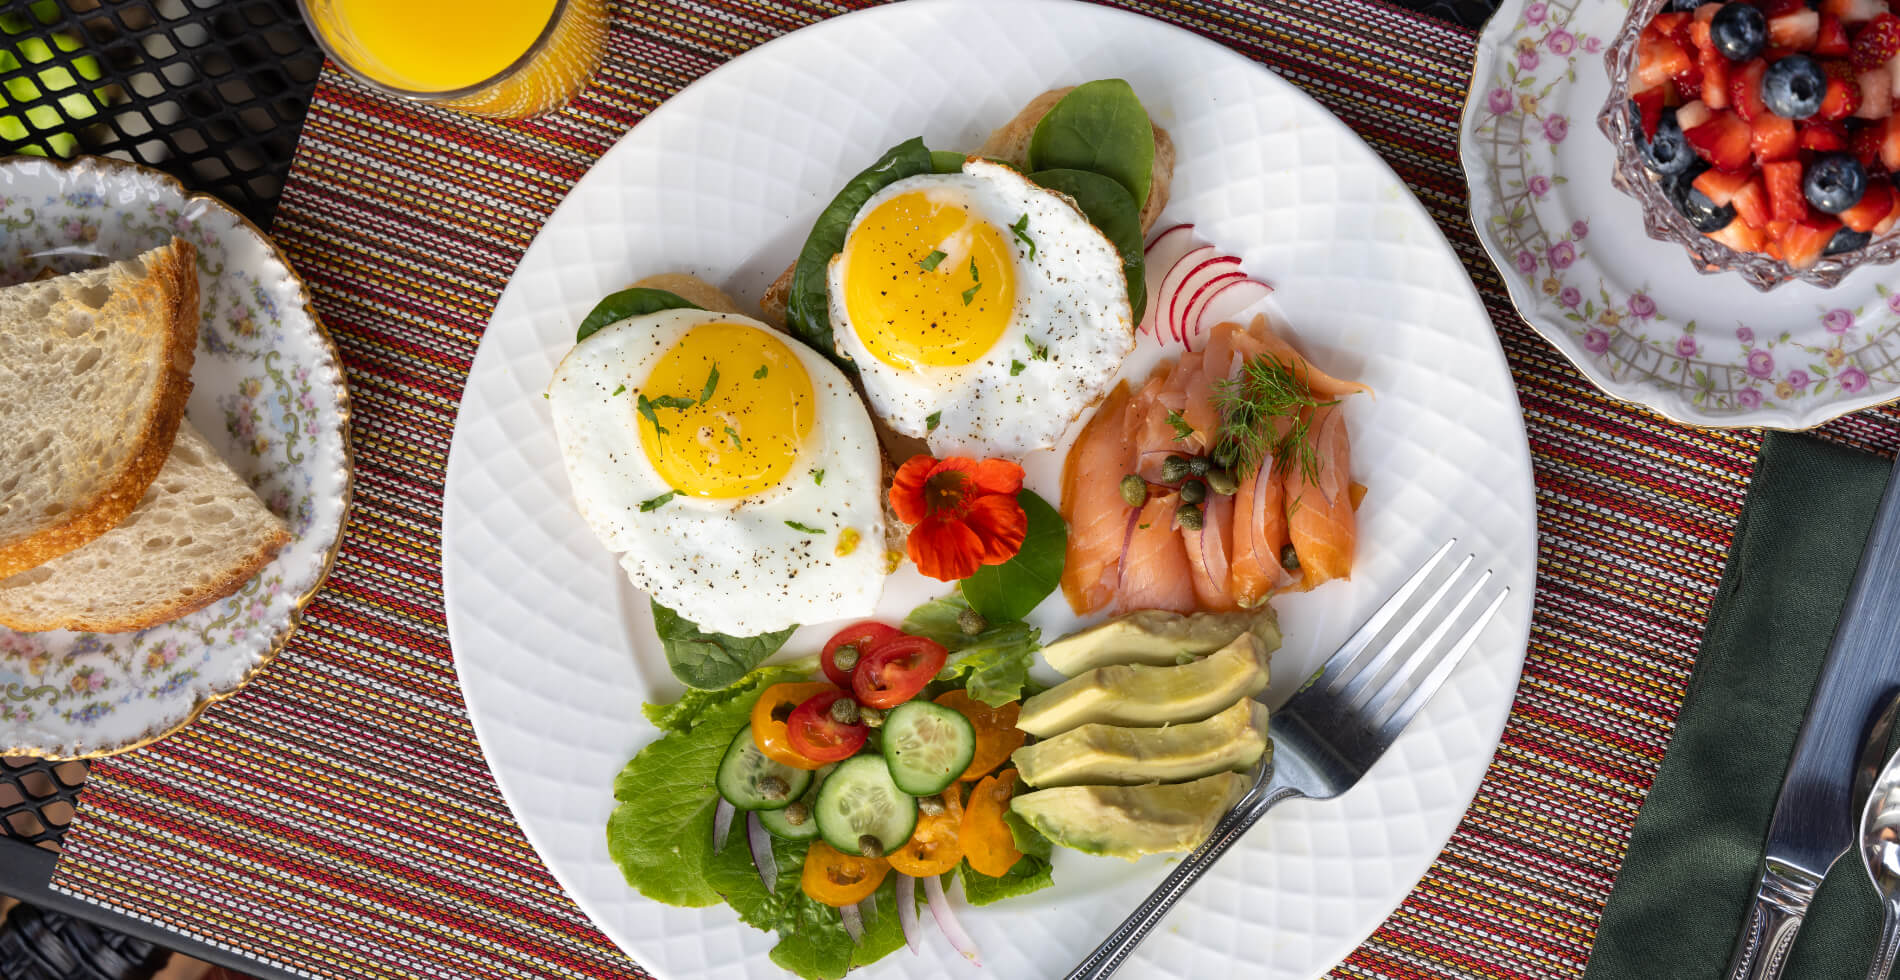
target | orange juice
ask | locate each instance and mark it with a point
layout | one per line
(510, 58)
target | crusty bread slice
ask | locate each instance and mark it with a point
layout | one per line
(94, 371)
(197, 536)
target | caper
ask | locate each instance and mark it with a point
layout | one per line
(870, 717)
(1224, 457)
(796, 814)
(1289, 559)
(845, 657)
(930, 806)
(773, 788)
(844, 711)
(1222, 482)
(1193, 492)
(1189, 516)
(870, 846)
(1198, 466)
(1174, 469)
(1134, 490)
(971, 622)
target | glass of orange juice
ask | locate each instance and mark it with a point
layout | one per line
(511, 59)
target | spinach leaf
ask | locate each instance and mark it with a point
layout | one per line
(711, 660)
(625, 303)
(805, 309)
(994, 664)
(1098, 126)
(946, 162)
(1109, 209)
(1007, 592)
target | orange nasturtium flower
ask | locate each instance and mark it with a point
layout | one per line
(964, 513)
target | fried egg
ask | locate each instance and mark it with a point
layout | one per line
(734, 472)
(984, 313)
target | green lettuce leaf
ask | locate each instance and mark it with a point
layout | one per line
(681, 715)
(1031, 873)
(711, 660)
(1008, 591)
(994, 664)
(812, 942)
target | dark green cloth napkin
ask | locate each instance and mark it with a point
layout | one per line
(1678, 902)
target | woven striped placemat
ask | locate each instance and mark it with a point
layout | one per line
(337, 818)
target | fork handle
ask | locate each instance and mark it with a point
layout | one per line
(1781, 901)
(1122, 942)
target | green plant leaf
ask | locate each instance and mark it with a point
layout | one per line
(1109, 208)
(626, 303)
(1099, 126)
(1007, 592)
(711, 660)
(993, 665)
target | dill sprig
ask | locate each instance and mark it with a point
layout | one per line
(1268, 390)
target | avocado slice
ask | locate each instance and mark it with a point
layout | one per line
(1136, 694)
(1157, 637)
(1107, 754)
(1130, 821)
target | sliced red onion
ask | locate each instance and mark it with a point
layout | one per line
(853, 922)
(907, 910)
(947, 920)
(761, 841)
(1259, 509)
(722, 824)
(1217, 512)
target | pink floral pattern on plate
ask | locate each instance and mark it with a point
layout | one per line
(268, 393)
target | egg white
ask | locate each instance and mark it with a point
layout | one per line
(730, 566)
(1071, 302)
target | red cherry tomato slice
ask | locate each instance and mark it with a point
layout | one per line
(895, 670)
(819, 737)
(860, 636)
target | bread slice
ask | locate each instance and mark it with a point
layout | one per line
(94, 371)
(197, 536)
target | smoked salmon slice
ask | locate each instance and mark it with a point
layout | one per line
(1154, 572)
(1319, 511)
(1099, 520)
(1259, 534)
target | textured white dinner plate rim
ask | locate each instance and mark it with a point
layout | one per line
(479, 665)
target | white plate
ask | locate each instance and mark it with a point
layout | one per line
(555, 651)
(1630, 310)
(267, 392)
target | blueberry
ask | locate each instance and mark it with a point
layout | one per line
(1793, 87)
(1739, 31)
(1834, 183)
(1847, 240)
(1703, 214)
(1668, 152)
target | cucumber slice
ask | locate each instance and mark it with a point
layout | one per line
(859, 800)
(779, 822)
(744, 772)
(927, 746)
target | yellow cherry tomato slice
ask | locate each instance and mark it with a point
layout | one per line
(934, 847)
(996, 733)
(837, 879)
(769, 715)
(987, 842)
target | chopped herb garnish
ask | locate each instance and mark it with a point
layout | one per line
(1267, 390)
(620, 390)
(712, 383)
(1037, 352)
(760, 373)
(734, 436)
(973, 276)
(1143, 527)
(818, 477)
(1019, 229)
(673, 401)
(930, 261)
(931, 420)
(1181, 427)
(645, 408)
(1016, 368)
(970, 293)
(806, 528)
(655, 503)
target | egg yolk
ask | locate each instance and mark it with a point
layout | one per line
(724, 413)
(926, 282)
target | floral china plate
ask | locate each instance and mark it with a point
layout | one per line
(268, 392)
(1631, 311)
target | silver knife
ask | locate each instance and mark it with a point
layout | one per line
(1814, 818)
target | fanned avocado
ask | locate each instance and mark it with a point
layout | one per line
(1157, 637)
(1142, 695)
(1131, 821)
(1107, 754)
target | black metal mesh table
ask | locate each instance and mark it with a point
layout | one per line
(214, 93)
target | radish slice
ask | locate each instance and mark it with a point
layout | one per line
(722, 824)
(1233, 298)
(1192, 322)
(1162, 253)
(947, 920)
(853, 922)
(1200, 270)
(761, 841)
(1163, 295)
(907, 910)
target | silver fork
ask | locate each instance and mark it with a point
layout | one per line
(1339, 723)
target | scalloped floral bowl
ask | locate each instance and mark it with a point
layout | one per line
(268, 393)
(1661, 219)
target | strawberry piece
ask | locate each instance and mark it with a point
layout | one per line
(1886, 224)
(1796, 31)
(1744, 90)
(1720, 187)
(1649, 107)
(1854, 11)
(1783, 182)
(1715, 71)
(1822, 136)
(1865, 144)
(1659, 59)
(1740, 237)
(1773, 138)
(1805, 240)
(1876, 94)
(1876, 42)
(1890, 144)
(1873, 207)
(1832, 41)
(1751, 203)
(1779, 8)
(1725, 141)
(1669, 23)
(1694, 114)
(1843, 91)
